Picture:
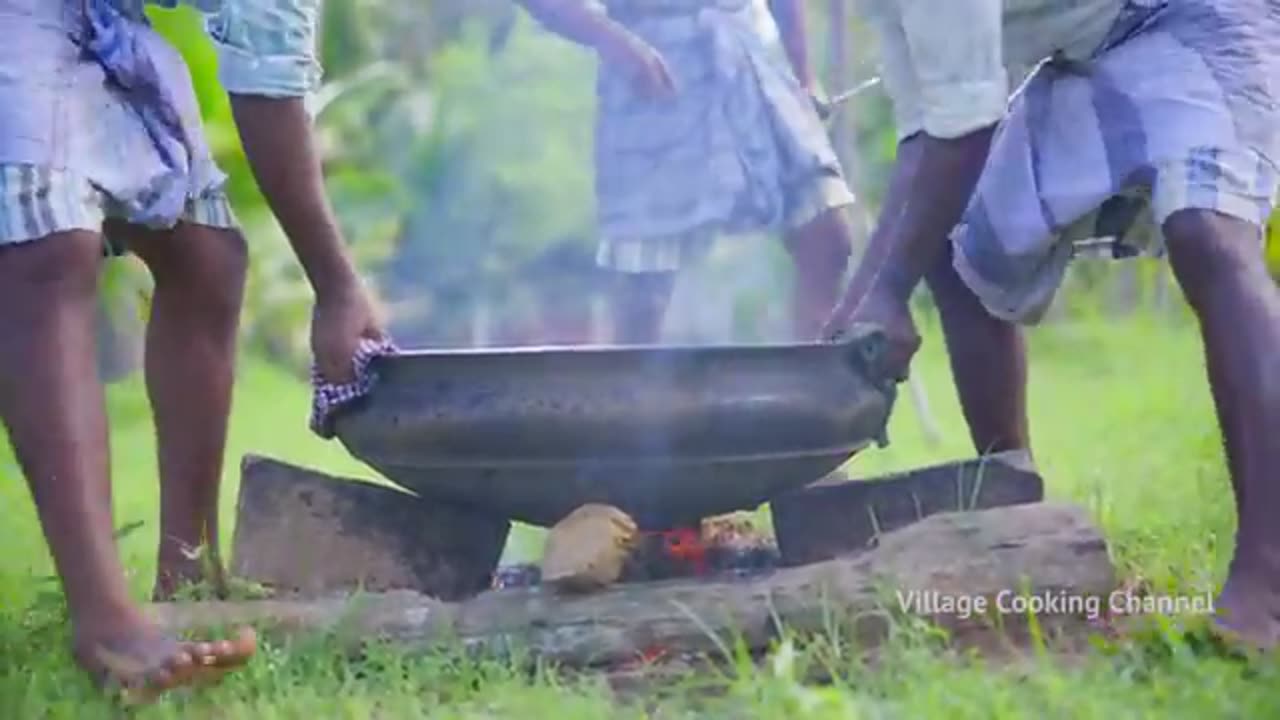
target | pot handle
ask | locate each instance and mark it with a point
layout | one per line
(865, 348)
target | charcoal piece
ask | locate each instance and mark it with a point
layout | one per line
(824, 520)
(683, 553)
(302, 532)
(516, 576)
(734, 562)
(665, 555)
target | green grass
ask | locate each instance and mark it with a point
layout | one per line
(1122, 423)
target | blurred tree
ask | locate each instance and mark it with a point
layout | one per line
(503, 175)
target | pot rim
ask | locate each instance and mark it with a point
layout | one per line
(859, 337)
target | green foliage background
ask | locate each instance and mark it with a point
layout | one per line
(457, 147)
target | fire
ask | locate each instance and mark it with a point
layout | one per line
(724, 546)
(719, 541)
(687, 547)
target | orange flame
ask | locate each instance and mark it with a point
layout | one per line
(687, 546)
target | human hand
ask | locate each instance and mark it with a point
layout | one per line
(645, 64)
(339, 322)
(890, 315)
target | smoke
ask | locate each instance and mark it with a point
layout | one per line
(498, 248)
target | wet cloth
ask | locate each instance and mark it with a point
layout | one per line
(98, 117)
(328, 400)
(1178, 109)
(740, 150)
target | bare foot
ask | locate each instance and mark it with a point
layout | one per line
(882, 310)
(1247, 612)
(144, 664)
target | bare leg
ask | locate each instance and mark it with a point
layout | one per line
(190, 363)
(639, 304)
(820, 251)
(1218, 264)
(52, 404)
(988, 363)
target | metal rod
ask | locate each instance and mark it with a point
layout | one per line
(854, 91)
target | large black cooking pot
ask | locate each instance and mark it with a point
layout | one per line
(668, 434)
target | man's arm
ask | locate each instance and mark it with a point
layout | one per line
(949, 89)
(923, 167)
(277, 138)
(788, 15)
(586, 23)
(943, 174)
(267, 63)
(580, 21)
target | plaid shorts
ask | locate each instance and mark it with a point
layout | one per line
(740, 150)
(1178, 113)
(98, 119)
(36, 202)
(672, 252)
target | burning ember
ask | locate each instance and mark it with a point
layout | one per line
(728, 546)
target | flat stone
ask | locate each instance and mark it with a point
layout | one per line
(302, 532)
(828, 519)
